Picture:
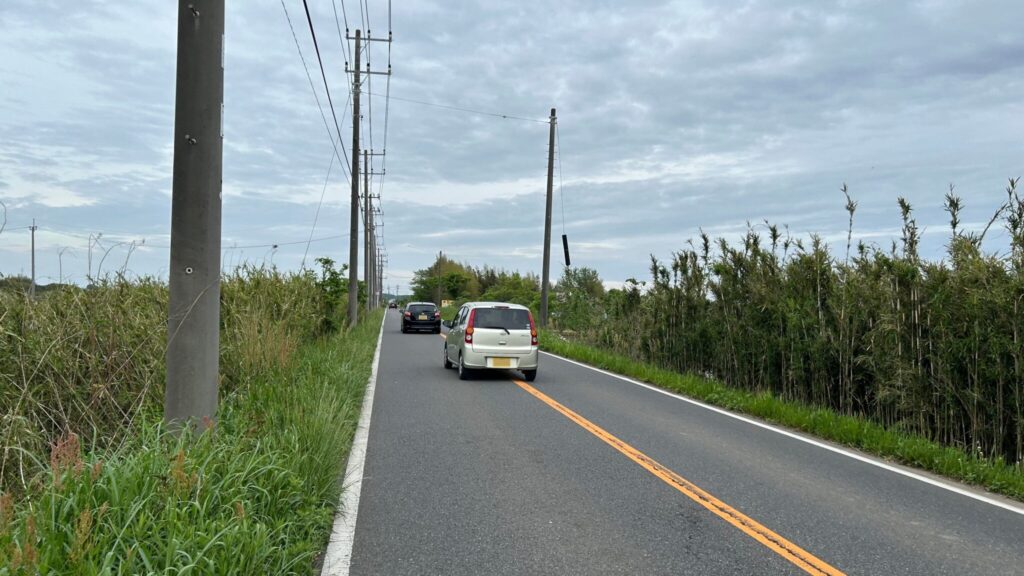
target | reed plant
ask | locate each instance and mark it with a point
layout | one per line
(928, 348)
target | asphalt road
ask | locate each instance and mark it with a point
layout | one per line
(485, 477)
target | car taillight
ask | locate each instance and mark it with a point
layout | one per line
(408, 314)
(533, 330)
(469, 326)
(437, 315)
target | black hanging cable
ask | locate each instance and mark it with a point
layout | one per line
(337, 127)
(315, 96)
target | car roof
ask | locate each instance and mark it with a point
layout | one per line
(420, 304)
(496, 305)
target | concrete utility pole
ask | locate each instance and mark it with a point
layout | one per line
(193, 337)
(353, 240)
(32, 286)
(547, 223)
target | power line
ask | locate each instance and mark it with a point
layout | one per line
(327, 88)
(387, 109)
(270, 245)
(317, 216)
(341, 39)
(275, 245)
(317, 97)
(369, 76)
(469, 110)
(561, 195)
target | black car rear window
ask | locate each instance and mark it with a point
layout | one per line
(417, 308)
(507, 318)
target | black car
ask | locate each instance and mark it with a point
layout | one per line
(392, 304)
(421, 316)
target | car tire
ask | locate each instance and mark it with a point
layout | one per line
(403, 328)
(463, 371)
(447, 363)
(529, 375)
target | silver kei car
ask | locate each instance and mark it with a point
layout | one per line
(492, 336)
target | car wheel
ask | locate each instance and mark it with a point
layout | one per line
(463, 371)
(447, 363)
(403, 329)
(529, 375)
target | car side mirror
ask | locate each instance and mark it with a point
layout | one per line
(446, 324)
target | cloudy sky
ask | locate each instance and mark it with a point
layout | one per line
(673, 116)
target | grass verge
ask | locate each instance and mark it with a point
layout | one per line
(858, 433)
(255, 496)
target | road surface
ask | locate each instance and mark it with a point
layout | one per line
(581, 472)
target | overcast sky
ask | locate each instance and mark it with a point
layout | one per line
(672, 116)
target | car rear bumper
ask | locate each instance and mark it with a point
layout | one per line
(479, 360)
(421, 324)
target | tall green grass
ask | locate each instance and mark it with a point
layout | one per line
(254, 496)
(90, 362)
(92, 484)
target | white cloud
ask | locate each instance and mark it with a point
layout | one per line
(673, 116)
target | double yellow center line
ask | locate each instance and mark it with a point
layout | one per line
(791, 552)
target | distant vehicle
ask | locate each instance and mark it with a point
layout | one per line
(421, 316)
(492, 336)
(392, 304)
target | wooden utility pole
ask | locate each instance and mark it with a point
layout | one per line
(353, 241)
(32, 286)
(547, 222)
(193, 336)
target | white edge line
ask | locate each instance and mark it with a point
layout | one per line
(338, 556)
(831, 448)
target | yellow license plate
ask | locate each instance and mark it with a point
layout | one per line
(423, 316)
(501, 362)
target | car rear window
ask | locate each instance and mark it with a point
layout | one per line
(417, 308)
(507, 318)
